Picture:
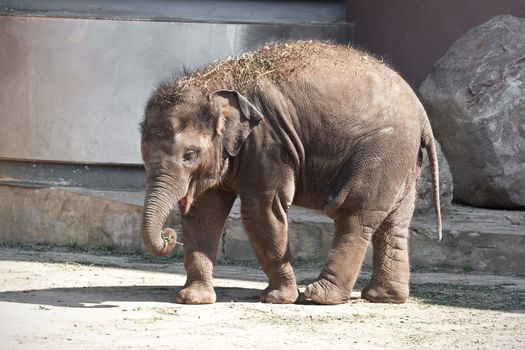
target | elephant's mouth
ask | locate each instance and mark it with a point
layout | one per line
(186, 201)
(183, 205)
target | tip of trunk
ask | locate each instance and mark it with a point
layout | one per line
(164, 245)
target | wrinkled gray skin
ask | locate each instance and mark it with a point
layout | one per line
(341, 133)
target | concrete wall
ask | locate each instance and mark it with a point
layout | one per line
(414, 34)
(75, 75)
(219, 11)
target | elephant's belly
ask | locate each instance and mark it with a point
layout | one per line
(310, 204)
(310, 197)
(320, 181)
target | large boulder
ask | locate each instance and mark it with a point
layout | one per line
(425, 198)
(475, 98)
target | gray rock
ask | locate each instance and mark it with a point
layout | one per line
(425, 199)
(475, 98)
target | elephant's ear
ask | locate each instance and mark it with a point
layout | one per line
(237, 118)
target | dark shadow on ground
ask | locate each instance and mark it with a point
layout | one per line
(499, 297)
(107, 297)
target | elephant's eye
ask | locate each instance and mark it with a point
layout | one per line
(190, 155)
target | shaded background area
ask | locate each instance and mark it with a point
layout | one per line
(414, 34)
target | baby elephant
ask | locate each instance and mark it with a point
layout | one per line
(312, 124)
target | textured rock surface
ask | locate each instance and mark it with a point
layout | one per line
(425, 199)
(475, 98)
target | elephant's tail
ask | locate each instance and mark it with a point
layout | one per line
(427, 142)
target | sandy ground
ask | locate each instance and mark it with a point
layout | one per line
(63, 299)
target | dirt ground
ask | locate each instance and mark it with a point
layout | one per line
(66, 299)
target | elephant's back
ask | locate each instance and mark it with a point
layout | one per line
(352, 95)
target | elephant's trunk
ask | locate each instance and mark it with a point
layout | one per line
(161, 196)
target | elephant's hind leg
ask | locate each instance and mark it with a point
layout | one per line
(359, 209)
(345, 258)
(391, 272)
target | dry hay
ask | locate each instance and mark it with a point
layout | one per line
(277, 63)
(274, 62)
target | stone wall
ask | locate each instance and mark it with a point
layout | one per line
(478, 239)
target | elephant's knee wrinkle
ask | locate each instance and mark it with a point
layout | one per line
(366, 233)
(332, 277)
(379, 243)
(389, 242)
(401, 234)
(401, 244)
(365, 237)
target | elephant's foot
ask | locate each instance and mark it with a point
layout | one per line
(196, 294)
(385, 291)
(323, 291)
(282, 295)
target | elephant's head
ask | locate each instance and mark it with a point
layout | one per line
(186, 145)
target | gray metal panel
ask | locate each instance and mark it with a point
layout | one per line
(225, 11)
(73, 90)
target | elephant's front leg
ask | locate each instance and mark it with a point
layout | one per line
(202, 228)
(265, 218)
